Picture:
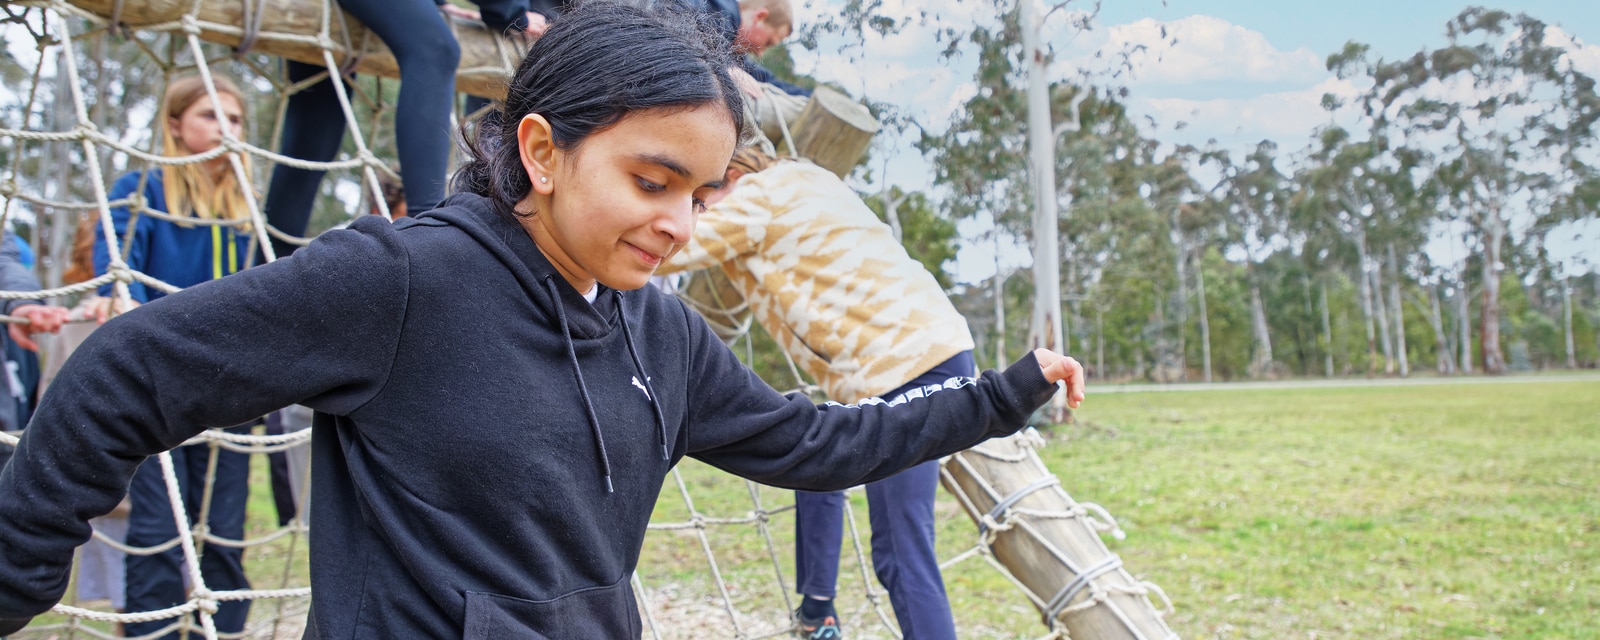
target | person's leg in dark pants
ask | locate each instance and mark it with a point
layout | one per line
(428, 54)
(900, 508)
(313, 129)
(818, 532)
(222, 567)
(903, 554)
(154, 581)
(278, 463)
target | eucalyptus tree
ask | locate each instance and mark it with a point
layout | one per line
(1256, 195)
(1172, 192)
(1334, 193)
(984, 159)
(1526, 110)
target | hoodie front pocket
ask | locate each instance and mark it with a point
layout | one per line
(596, 612)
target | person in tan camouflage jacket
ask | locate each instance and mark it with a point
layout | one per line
(830, 283)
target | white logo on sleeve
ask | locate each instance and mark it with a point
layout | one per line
(640, 385)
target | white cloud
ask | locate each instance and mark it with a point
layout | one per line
(1203, 48)
(1584, 57)
(1287, 117)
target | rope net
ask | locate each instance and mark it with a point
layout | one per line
(719, 566)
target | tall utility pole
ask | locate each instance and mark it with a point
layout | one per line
(1046, 322)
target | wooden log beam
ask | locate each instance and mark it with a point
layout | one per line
(291, 29)
(1059, 560)
(833, 131)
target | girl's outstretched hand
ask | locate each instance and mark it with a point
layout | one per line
(1060, 368)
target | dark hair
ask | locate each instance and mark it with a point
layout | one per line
(599, 62)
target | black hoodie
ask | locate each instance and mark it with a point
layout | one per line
(488, 445)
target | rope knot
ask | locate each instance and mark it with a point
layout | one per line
(191, 24)
(204, 600)
(8, 188)
(122, 274)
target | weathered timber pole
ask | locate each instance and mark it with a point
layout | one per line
(291, 29)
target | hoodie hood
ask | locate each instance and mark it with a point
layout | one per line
(510, 243)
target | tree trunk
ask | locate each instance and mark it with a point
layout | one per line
(1306, 357)
(1205, 321)
(1399, 314)
(1000, 357)
(1382, 314)
(1441, 346)
(1327, 334)
(63, 224)
(1046, 322)
(1566, 304)
(1464, 323)
(97, 112)
(1262, 362)
(1100, 343)
(1180, 265)
(1161, 372)
(1074, 312)
(1489, 333)
(891, 212)
(1364, 287)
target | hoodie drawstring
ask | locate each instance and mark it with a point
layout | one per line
(661, 421)
(583, 390)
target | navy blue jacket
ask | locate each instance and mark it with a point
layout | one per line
(488, 447)
(177, 255)
(502, 15)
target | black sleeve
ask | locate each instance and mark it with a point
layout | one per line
(761, 74)
(740, 425)
(503, 15)
(550, 9)
(318, 328)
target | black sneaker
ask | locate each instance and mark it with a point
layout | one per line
(826, 628)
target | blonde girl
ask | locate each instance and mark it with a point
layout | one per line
(184, 251)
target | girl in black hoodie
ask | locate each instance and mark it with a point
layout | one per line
(498, 400)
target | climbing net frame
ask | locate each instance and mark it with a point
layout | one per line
(51, 23)
(52, 27)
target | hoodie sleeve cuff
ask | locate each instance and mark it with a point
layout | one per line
(1025, 389)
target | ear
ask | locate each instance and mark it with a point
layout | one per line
(537, 148)
(760, 15)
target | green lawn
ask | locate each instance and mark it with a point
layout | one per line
(1451, 511)
(1454, 511)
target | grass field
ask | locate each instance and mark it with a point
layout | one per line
(1450, 511)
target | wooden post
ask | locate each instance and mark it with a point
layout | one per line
(290, 28)
(1047, 542)
(833, 131)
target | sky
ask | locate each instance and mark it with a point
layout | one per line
(1241, 71)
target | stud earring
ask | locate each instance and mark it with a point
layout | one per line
(544, 179)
